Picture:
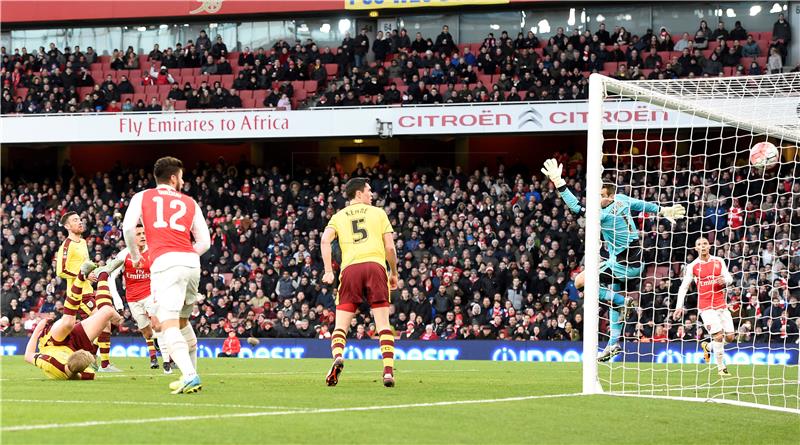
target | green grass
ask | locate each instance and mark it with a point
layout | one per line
(279, 401)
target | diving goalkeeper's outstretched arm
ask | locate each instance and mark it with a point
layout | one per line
(552, 169)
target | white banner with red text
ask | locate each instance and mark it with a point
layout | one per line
(339, 122)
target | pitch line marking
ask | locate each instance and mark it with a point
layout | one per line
(143, 403)
(277, 413)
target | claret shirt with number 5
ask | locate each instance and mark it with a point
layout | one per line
(171, 220)
(360, 229)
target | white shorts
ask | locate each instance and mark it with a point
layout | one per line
(715, 320)
(174, 291)
(141, 311)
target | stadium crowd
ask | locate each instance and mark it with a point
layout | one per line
(203, 74)
(483, 254)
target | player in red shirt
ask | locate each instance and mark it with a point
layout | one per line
(138, 295)
(711, 275)
(171, 220)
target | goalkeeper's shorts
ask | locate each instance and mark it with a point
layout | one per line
(623, 273)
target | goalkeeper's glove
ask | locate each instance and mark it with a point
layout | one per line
(552, 169)
(672, 213)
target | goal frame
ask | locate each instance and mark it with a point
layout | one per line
(599, 88)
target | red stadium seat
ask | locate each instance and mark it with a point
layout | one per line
(300, 94)
(646, 72)
(23, 92)
(610, 67)
(124, 97)
(486, 79)
(150, 90)
(763, 47)
(712, 45)
(227, 80)
(259, 96)
(180, 104)
(297, 85)
(729, 70)
(188, 72)
(761, 61)
(745, 62)
(332, 69)
(163, 89)
(310, 85)
(666, 56)
(249, 102)
(139, 96)
(766, 35)
(105, 60)
(83, 91)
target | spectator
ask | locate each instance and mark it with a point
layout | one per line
(231, 346)
(380, 47)
(219, 49)
(155, 54)
(444, 42)
(154, 105)
(720, 32)
(775, 62)
(683, 43)
(750, 48)
(361, 46)
(203, 43)
(738, 32)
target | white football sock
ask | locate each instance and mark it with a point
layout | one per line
(191, 341)
(162, 344)
(180, 352)
(719, 352)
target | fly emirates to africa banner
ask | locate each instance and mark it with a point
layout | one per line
(338, 122)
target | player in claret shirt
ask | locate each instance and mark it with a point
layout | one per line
(65, 349)
(711, 275)
(137, 294)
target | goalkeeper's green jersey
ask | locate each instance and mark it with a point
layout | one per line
(616, 223)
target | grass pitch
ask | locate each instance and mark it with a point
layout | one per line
(286, 401)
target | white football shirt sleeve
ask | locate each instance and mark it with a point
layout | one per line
(132, 217)
(688, 277)
(112, 280)
(202, 238)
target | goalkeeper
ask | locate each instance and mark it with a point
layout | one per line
(620, 272)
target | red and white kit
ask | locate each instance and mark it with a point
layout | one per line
(711, 294)
(171, 220)
(137, 287)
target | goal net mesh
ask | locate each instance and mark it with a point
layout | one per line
(691, 147)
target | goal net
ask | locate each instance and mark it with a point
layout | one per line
(690, 145)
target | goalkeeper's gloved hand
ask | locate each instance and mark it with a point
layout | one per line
(672, 213)
(552, 169)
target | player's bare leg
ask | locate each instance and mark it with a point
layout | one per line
(338, 342)
(381, 316)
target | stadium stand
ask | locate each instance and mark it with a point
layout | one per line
(483, 255)
(422, 71)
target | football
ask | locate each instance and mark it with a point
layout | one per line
(764, 155)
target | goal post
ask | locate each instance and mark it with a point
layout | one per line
(687, 142)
